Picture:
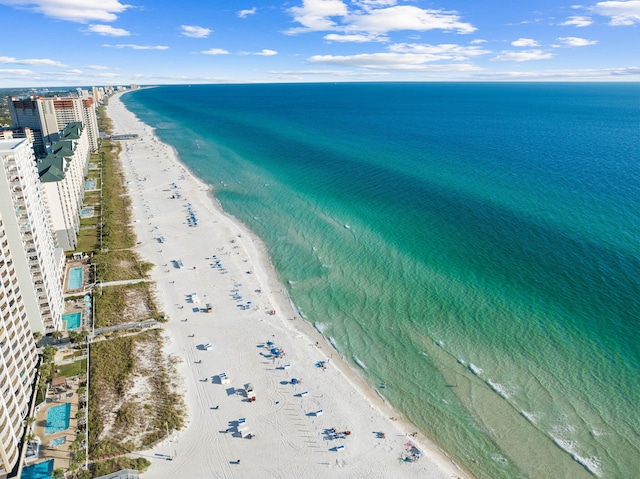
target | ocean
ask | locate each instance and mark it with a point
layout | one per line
(476, 246)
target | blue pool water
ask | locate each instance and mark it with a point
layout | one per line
(74, 320)
(58, 418)
(75, 278)
(41, 470)
(58, 441)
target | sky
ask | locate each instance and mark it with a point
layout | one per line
(152, 42)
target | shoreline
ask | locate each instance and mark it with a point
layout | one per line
(287, 425)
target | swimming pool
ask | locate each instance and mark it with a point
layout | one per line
(41, 470)
(58, 441)
(74, 320)
(75, 278)
(58, 418)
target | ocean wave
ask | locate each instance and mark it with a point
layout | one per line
(566, 445)
(359, 363)
(529, 416)
(499, 388)
(591, 464)
(475, 369)
(322, 327)
(500, 459)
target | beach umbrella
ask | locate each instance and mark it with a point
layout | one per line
(294, 381)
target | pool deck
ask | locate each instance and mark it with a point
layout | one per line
(61, 454)
(85, 270)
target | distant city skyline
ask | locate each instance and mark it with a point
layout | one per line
(67, 43)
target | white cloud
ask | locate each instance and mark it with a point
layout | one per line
(80, 11)
(195, 31)
(393, 61)
(315, 15)
(75, 71)
(215, 51)
(478, 41)
(355, 38)
(15, 71)
(246, 13)
(108, 30)
(620, 12)
(32, 61)
(97, 67)
(136, 47)
(523, 56)
(367, 4)
(525, 42)
(577, 42)
(407, 17)
(445, 51)
(365, 18)
(263, 53)
(577, 74)
(578, 21)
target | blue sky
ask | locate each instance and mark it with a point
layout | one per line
(75, 42)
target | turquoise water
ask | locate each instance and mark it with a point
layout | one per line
(476, 246)
(75, 278)
(41, 470)
(74, 320)
(58, 441)
(58, 418)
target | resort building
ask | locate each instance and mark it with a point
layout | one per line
(62, 174)
(37, 260)
(47, 116)
(18, 360)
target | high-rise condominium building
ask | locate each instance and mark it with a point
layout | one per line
(50, 115)
(37, 260)
(62, 174)
(18, 359)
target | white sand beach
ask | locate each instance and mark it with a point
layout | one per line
(287, 428)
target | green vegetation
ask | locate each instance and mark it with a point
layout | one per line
(139, 421)
(47, 370)
(120, 265)
(112, 465)
(125, 304)
(77, 368)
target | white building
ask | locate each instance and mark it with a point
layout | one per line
(62, 174)
(18, 360)
(50, 115)
(37, 260)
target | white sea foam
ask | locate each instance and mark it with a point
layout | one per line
(566, 445)
(475, 369)
(322, 327)
(530, 416)
(359, 363)
(592, 464)
(462, 361)
(440, 343)
(499, 388)
(500, 459)
(333, 342)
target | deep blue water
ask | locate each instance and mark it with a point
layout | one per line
(476, 246)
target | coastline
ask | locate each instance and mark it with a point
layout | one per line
(287, 425)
